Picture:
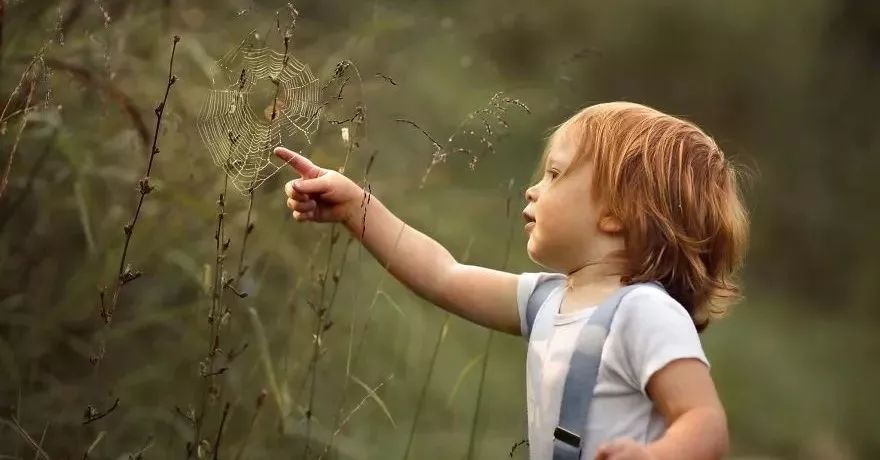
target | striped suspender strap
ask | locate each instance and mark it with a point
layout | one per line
(538, 297)
(583, 372)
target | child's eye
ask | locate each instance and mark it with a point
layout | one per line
(553, 173)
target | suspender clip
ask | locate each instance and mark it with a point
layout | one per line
(563, 435)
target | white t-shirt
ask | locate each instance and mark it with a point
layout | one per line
(650, 329)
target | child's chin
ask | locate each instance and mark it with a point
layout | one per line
(541, 258)
(534, 253)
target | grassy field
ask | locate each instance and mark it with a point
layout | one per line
(238, 333)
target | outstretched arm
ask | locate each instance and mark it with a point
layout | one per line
(484, 296)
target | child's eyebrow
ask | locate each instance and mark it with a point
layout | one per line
(553, 162)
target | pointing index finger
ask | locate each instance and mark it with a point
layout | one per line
(301, 164)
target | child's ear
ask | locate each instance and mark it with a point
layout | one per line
(610, 224)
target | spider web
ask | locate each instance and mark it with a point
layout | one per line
(239, 138)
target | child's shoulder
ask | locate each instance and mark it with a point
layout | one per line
(651, 296)
(650, 330)
(649, 307)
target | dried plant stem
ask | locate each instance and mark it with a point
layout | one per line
(342, 401)
(248, 229)
(216, 448)
(37, 57)
(322, 315)
(354, 353)
(220, 310)
(292, 301)
(490, 115)
(16, 426)
(354, 410)
(215, 319)
(476, 417)
(93, 415)
(4, 179)
(42, 438)
(139, 454)
(18, 112)
(125, 274)
(94, 444)
(247, 436)
(424, 391)
(517, 445)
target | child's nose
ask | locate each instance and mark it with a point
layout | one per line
(532, 193)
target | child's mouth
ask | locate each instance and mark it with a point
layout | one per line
(530, 221)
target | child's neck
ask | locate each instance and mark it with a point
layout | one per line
(589, 285)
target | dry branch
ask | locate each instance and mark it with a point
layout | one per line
(125, 274)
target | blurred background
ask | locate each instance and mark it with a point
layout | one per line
(328, 357)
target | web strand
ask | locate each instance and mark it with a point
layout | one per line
(241, 140)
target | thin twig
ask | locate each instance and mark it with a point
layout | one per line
(215, 317)
(92, 415)
(37, 57)
(423, 393)
(247, 436)
(320, 318)
(415, 125)
(94, 444)
(354, 353)
(488, 348)
(18, 112)
(357, 407)
(216, 449)
(139, 454)
(4, 179)
(386, 78)
(24, 435)
(524, 442)
(42, 438)
(248, 229)
(124, 274)
(188, 416)
(343, 398)
(492, 114)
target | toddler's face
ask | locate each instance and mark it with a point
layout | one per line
(561, 215)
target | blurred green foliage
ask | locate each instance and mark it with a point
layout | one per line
(788, 89)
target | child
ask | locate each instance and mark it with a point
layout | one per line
(627, 195)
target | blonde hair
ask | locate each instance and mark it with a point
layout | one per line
(676, 195)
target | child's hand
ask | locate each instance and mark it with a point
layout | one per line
(623, 449)
(320, 195)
